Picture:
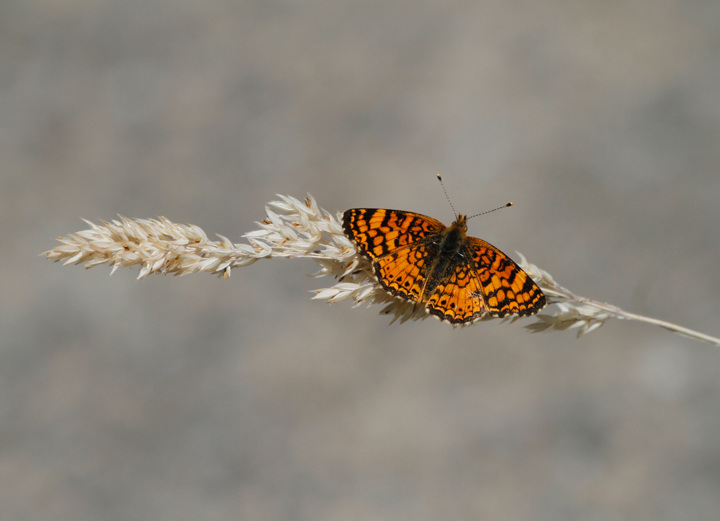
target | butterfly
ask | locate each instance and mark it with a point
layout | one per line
(456, 278)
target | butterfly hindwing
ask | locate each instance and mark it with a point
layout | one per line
(404, 272)
(457, 298)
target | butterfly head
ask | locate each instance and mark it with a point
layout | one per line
(460, 223)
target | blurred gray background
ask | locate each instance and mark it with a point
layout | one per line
(197, 398)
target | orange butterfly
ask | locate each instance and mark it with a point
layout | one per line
(457, 278)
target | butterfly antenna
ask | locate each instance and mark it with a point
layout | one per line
(446, 195)
(493, 210)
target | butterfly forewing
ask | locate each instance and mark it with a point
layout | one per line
(506, 288)
(378, 232)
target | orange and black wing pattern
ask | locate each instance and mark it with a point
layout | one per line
(405, 272)
(506, 288)
(400, 244)
(378, 232)
(456, 297)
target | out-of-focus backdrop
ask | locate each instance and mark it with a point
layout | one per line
(197, 398)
